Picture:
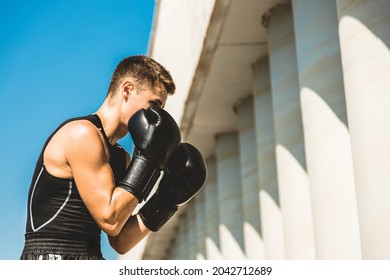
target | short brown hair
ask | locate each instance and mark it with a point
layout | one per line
(145, 71)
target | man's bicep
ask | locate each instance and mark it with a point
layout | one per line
(88, 160)
(95, 184)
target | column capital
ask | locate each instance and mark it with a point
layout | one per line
(267, 15)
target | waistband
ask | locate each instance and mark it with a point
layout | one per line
(43, 248)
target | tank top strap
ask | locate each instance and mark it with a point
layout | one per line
(94, 118)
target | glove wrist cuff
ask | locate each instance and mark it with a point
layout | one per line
(140, 178)
(154, 216)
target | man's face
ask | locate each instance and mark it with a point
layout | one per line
(142, 98)
(153, 97)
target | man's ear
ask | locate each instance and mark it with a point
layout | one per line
(128, 87)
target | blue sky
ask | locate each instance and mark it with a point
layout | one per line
(56, 60)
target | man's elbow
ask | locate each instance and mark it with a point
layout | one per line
(121, 250)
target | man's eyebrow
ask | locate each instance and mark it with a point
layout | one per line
(158, 101)
(160, 96)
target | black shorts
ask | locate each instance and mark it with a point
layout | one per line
(59, 249)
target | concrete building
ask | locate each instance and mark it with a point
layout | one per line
(289, 103)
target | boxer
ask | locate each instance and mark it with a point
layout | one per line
(84, 182)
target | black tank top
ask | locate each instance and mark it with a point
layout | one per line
(55, 208)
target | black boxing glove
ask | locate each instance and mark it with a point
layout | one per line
(184, 176)
(156, 136)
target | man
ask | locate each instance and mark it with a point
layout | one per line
(84, 182)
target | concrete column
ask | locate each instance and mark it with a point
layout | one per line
(200, 225)
(212, 217)
(183, 247)
(290, 154)
(364, 30)
(184, 239)
(270, 212)
(254, 246)
(327, 139)
(230, 197)
(173, 252)
(191, 220)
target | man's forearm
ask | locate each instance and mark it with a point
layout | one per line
(131, 234)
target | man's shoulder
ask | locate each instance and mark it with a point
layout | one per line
(80, 128)
(77, 131)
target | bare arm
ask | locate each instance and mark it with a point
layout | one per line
(87, 155)
(132, 232)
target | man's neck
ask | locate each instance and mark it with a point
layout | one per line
(112, 126)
